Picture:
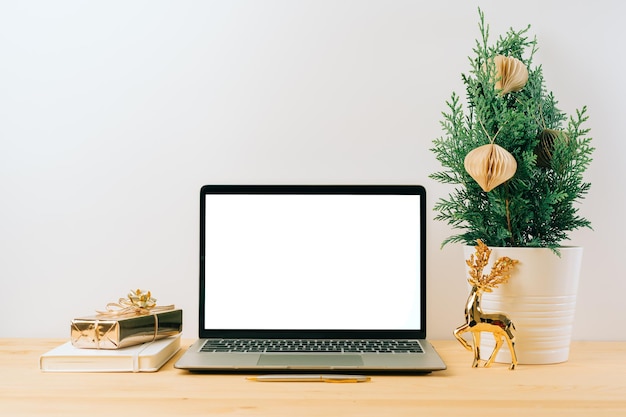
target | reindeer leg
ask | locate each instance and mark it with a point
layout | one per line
(511, 344)
(492, 358)
(457, 333)
(476, 337)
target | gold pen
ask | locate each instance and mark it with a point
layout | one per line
(309, 378)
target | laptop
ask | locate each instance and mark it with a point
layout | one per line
(312, 278)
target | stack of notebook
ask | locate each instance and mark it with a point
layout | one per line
(146, 357)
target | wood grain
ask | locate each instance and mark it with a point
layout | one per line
(592, 382)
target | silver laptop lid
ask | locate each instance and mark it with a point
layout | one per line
(312, 261)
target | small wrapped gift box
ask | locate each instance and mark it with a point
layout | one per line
(127, 323)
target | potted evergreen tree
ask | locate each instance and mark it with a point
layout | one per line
(517, 164)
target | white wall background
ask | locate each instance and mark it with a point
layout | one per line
(113, 114)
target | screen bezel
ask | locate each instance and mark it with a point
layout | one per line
(315, 189)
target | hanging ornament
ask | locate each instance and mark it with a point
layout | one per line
(511, 74)
(547, 139)
(490, 165)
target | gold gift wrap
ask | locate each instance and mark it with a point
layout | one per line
(114, 332)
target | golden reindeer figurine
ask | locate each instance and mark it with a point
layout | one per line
(476, 321)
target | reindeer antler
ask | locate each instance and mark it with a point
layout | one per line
(499, 273)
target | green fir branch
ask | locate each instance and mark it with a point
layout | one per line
(536, 207)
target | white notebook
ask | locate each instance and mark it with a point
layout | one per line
(147, 357)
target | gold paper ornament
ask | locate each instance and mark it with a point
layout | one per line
(490, 165)
(511, 74)
(547, 139)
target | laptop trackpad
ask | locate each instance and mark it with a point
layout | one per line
(310, 360)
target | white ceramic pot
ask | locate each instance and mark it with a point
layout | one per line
(540, 299)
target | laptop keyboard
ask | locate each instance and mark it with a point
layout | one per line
(311, 345)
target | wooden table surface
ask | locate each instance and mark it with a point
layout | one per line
(591, 383)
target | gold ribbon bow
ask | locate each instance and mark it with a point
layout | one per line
(137, 303)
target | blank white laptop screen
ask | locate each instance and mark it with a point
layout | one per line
(299, 261)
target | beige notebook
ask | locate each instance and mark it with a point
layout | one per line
(147, 357)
